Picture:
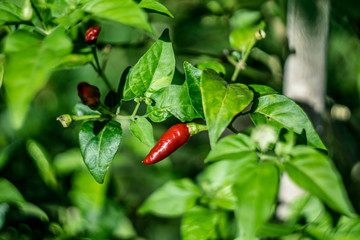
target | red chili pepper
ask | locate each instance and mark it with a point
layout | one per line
(171, 140)
(92, 34)
(89, 94)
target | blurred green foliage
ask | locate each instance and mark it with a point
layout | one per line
(51, 195)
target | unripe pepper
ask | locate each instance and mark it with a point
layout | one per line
(92, 34)
(89, 94)
(171, 140)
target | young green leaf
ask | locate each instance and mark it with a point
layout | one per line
(99, 142)
(244, 38)
(281, 112)
(172, 199)
(222, 102)
(172, 100)
(231, 147)
(256, 193)
(314, 172)
(124, 11)
(193, 76)
(143, 130)
(23, 48)
(156, 6)
(155, 69)
(199, 223)
(218, 178)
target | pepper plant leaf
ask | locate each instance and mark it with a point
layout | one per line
(10, 12)
(40, 56)
(155, 69)
(281, 112)
(99, 142)
(199, 223)
(256, 192)
(143, 130)
(313, 171)
(262, 89)
(124, 11)
(193, 77)
(231, 147)
(172, 199)
(156, 6)
(222, 102)
(244, 38)
(172, 100)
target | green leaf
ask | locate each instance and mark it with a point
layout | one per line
(74, 61)
(23, 48)
(83, 110)
(222, 102)
(218, 178)
(124, 11)
(199, 223)
(156, 6)
(99, 142)
(69, 161)
(172, 199)
(2, 69)
(71, 19)
(281, 112)
(10, 12)
(172, 100)
(42, 162)
(127, 93)
(231, 147)
(256, 193)
(216, 66)
(9, 193)
(143, 130)
(262, 89)
(243, 39)
(314, 172)
(276, 230)
(155, 69)
(193, 77)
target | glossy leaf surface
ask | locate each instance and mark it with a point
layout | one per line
(99, 142)
(222, 102)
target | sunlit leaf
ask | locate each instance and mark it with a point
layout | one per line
(155, 6)
(216, 66)
(231, 147)
(193, 77)
(256, 192)
(222, 102)
(124, 11)
(199, 223)
(155, 69)
(281, 112)
(172, 199)
(314, 172)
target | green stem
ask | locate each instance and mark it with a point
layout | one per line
(135, 110)
(80, 118)
(98, 67)
(39, 15)
(239, 66)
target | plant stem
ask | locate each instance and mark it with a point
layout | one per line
(135, 111)
(79, 118)
(106, 111)
(239, 66)
(98, 67)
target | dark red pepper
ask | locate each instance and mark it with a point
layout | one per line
(92, 34)
(89, 94)
(171, 140)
